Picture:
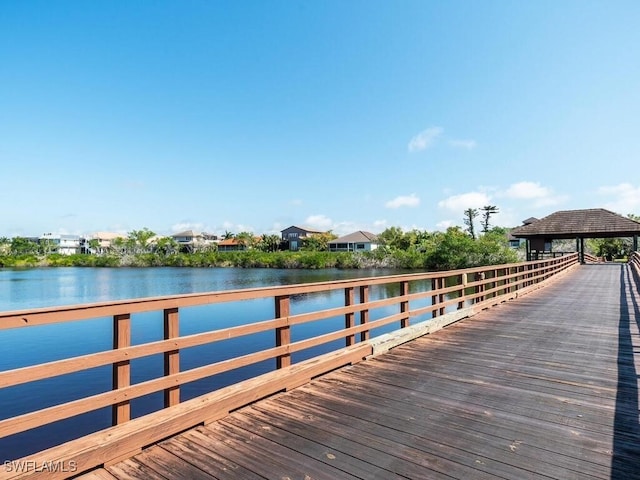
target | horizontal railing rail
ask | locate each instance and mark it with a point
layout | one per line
(592, 258)
(445, 292)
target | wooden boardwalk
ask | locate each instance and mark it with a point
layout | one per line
(545, 387)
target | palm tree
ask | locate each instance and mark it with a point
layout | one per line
(167, 246)
(469, 215)
(488, 211)
(269, 243)
(139, 239)
(245, 240)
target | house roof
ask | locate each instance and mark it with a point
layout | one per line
(228, 242)
(590, 223)
(306, 229)
(357, 237)
(187, 233)
(107, 235)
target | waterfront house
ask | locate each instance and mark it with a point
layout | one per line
(359, 241)
(293, 236)
(190, 240)
(231, 245)
(102, 245)
(62, 244)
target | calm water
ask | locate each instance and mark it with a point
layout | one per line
(24, 289)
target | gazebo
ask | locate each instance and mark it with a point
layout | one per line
(578, 224)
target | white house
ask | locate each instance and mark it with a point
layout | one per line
(355, 242)
(62, 244)
(191, 240)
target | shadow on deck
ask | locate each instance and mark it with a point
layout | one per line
(626, 421)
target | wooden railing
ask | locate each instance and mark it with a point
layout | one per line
(592, 258)
(452, 294)
(634, 261)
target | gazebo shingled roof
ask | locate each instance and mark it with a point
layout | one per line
(590, 223)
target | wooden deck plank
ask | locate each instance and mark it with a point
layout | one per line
(447, 384)
(97, 474)
(275, 461)
(466, 433)
(206, 459)
(442, 420)
(171, 466)
(479, 402)
(545, 387)
(336, 454)
(132, 469)
(435, 457)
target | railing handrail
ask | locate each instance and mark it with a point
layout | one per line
(67, 313)
(490, 285)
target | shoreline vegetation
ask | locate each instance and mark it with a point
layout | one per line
(437, 251)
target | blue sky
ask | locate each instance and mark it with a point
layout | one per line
(344, 115)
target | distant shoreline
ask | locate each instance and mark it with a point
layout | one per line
(433, 260)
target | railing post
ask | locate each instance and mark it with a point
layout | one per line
(479, 288)
(121, 412)
(442, 283)
(283, 334)
(404, 305)
(172, 358)
(463, 284)
(364, 314)
(434, 298)
(350, 317)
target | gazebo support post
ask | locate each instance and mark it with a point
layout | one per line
(581, 250)
(635, 243)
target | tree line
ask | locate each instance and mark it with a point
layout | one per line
(413, 249)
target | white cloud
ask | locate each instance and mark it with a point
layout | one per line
(182, 226)
(459, 203)
(465, 144)
(347, 227)
(380, 224)
(626, 198)
(403, 201)
(231, 227)
(321, 222)
(532, 191)
(526, 190)
(424, 139)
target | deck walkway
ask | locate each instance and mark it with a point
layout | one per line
(543, 387)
